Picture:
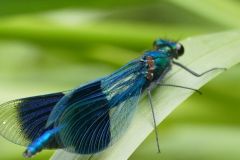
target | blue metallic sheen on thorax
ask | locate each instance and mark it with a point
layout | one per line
(161, 61)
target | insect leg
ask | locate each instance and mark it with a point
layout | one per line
(177, 86)
(154, 119)
(194, 73)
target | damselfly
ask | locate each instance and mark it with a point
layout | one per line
(90, 118)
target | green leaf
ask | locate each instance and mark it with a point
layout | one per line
(224, 13)
(202, 53)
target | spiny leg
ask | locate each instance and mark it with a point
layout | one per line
(177, 86)
(154, 119)
(194, 73)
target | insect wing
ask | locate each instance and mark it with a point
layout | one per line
(95, 119)
(22, 120)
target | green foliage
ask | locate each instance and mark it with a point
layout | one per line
(48, 46)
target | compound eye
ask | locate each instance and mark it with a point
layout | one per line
(180, 49)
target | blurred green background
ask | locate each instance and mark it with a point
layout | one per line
(55, 45)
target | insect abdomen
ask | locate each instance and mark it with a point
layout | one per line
(37, 145)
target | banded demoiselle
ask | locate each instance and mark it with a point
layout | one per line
(92, 117)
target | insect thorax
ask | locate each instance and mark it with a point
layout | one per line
(156, 62)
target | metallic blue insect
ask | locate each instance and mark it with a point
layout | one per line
(90, 118)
